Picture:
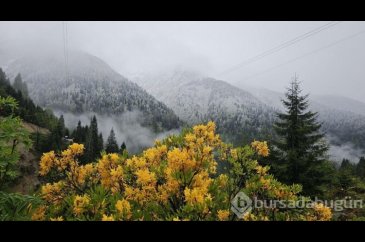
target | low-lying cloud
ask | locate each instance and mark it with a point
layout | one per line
(127, 128)
(344, 151)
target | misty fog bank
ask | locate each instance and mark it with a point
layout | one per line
(127, 128)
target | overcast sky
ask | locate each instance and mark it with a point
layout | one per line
(212, 48)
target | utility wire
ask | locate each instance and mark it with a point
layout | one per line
(281, 46)
(65, 48)
(307, 54)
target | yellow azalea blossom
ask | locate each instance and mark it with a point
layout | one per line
(261, 148)
(77, 149)
(223, 215)
(222, 180)
(202, 181)
(39, 214)
(52, 192)
(194, 196)
(47, 161)
(144, 177)
(262, 170)
(323, 213)
(189, 138)
(123, 207)
(154, 155)
(107, 218)
(136, 162)
(84, 172)
(249, 217)
(80, 204)
(207, 150)
(211, 126)
(234, 154)
(104, 167)
(180, 160)
(60, 218)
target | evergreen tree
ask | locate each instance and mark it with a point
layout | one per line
(78, 135)
(93, 141)
(346, 177)
(57, 135)
(61, 126)
(347, 165)
(21, 86)
(100, 142)
(360, 168)
(301, 151)
(123, 147)
(111, 143)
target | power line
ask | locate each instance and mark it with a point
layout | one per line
(281, 46)
(307, 54)
(65, 48)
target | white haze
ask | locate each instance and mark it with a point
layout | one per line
(209, 47)
(344, 151)
(126, 126)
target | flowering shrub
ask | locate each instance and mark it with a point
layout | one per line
(192, 176)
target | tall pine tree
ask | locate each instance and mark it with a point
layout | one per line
(360, 168)
(78, 135)
(21, 86)
(123, 147)
(301, 149)
(111, 143)
(57, 135)
(93, 140)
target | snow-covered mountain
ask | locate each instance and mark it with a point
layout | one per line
(247, 113)
(90, 86)
(238, 114)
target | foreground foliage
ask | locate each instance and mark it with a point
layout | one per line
(177, 179)
(12, 134)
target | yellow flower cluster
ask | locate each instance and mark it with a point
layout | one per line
(107, 218)
(124, 208)
(322, 212)
(53, 192)
(60, 218)
(39, 214)
(136, 162)
(261, 170)
(261, 148)
(145, 177)
(111, 173)
(180, 160)
(223, 215)
(234, 154)
(198, 193)
(82, 173)
(222, 180)
(142, 194)
(80, 204)
(249, 216)
(47, 162)
(154, 155)
(170, 187)
(50, 160)
(203, 134)
(76, 149)
(173, 180)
